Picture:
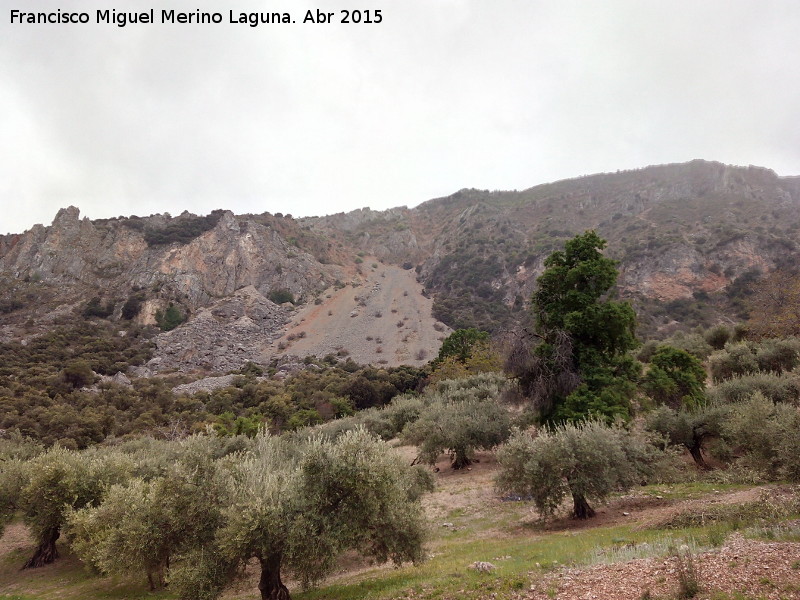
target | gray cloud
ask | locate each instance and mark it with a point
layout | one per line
(444, 94)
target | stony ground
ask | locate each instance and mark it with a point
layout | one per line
(763, 570)
(384, 320)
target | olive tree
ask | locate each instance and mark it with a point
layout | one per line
(295, 508)
(460, 427)
(58, 480)
(13, 475)
(147, 525)
(587, 461)
(689, 428)
(767, 436)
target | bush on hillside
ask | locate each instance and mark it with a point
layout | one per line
(767, 436)
(778, 388)
(280, 296)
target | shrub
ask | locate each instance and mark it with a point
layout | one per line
(304, 418)
(778, 388)
(281, 296)
(768, 435)
(77, 374)
(401, 411)
(718, 336)
(95, 308)
(181, 230)
(647, 350)
(693, 343)
(132, 306)
(688, 573)
(744, 358)
(735, 359)
(778, 355)
(170, 318)
(460, 343)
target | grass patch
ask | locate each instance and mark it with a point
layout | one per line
(769, 508)
(690, 490)
(518, 561)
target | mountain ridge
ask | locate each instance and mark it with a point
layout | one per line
(691, 238)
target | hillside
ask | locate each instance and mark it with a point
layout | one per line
(691, 240)
(695, 231)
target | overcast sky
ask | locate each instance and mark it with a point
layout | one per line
(313, 119)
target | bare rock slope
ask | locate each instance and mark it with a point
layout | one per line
(382, 317)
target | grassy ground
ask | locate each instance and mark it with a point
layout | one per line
(468, 524)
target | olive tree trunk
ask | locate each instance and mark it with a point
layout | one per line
(581, 508)
(460, 459)
(270, 584)
(696, 450)
(155, 576)
(46, 552)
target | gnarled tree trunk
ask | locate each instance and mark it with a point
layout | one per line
(155, 576)
(581, 508)
(271, 586)
(460, 459)
(696, 450)
(46, 552)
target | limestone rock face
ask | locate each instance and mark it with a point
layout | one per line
(110, 256)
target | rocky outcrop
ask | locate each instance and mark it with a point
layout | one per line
(206, 384)
(223, 336)
(111, 257)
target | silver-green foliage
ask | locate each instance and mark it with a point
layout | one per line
(13, 475)
(389, 421)
(745, 358)
(459, 426)
(295, 507)
(459, 416)
(779, 387)
(58, 480)
(587, 461)
(767, 435)
(145, 525)
(689, 428)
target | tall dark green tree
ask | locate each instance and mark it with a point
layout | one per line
(676, 378)
(574, 363)
(460, 343)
